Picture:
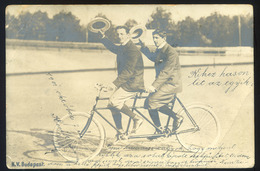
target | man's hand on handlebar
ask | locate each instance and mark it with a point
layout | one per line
(105, 88)
(111, 87)
(150, 89)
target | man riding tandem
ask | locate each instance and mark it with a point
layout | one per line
(130, 78)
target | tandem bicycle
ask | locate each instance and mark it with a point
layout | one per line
(80, 136)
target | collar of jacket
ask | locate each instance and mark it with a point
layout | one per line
(129, 43)
(124, 43)
(162, 45)
(160, 51)
(163, 49)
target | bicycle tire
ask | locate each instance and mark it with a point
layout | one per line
(209, 129)
(70, 145)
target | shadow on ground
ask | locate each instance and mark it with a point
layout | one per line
(43, 147)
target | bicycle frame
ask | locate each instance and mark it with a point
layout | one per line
(92, 138)
(135, 108)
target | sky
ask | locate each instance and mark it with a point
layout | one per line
(119, 14)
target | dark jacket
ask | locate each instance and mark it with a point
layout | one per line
(167, 67)
(130, 65)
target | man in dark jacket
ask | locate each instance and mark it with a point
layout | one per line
(167, 81)
(130, 77)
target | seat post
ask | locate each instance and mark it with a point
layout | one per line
(133, 108)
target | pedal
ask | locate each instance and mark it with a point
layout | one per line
(119, 138)
(113, 143)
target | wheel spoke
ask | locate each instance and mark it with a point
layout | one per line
(93, 136)
(67, 136)
(206, 124)
(63, 140)
(68, 144)
(86, 147)
(75, 152)
(66, 133)
(201, 119)
(91, 142)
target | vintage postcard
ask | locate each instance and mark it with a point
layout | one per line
(129, 86)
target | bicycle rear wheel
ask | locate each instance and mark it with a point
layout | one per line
(208, 131)
(68, 142)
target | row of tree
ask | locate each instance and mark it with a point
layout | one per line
(38, 26)
(215, 30)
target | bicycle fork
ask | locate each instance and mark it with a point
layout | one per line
(190, 117)
(84, 130)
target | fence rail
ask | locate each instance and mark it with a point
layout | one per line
(37, 44)
(111, 69)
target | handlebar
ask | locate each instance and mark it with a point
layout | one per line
(100, 87)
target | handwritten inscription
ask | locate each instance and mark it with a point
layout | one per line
(61, 97)
(121, 157)
(226, 78)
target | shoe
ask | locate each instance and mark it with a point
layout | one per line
(118, 137)
(156, 132)
(137, 123)
(120, 131)
(159, 132)
(177, 123)
(121, 135)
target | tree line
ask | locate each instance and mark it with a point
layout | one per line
(64, 26)
(215, 30)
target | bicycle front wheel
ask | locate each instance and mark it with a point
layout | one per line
(71, 145)
(207, 132)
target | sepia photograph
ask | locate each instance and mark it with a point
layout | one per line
(129, 86)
